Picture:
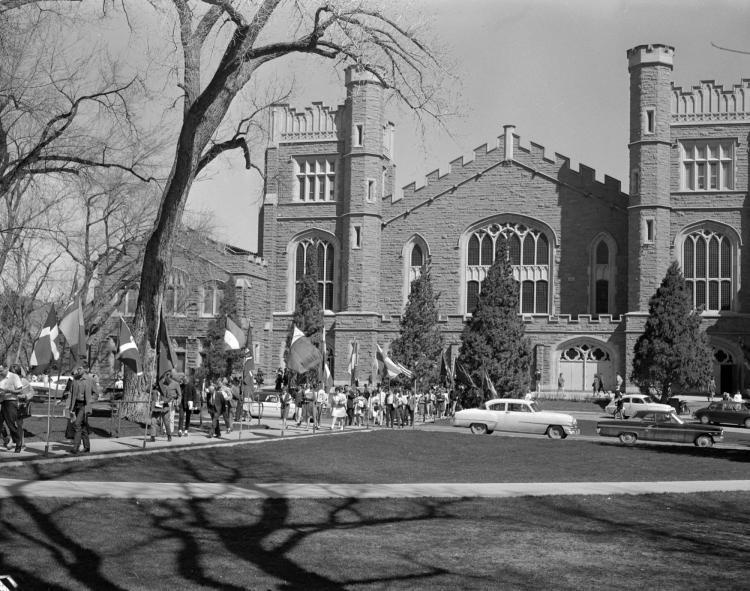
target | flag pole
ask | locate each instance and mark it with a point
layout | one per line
(49, 400)
(149, 410)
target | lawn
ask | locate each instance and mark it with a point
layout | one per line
(563, 543)
(408, 456)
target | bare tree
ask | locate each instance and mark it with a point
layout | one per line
(248, 37)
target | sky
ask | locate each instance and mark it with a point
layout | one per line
(556, 69)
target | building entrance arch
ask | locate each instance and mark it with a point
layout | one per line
(580, 361)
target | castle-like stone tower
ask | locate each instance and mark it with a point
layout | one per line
(649, 255)
(365, 170)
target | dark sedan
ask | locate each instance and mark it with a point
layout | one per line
(725, 411)
(648, 425)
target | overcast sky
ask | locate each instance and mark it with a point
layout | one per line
(556, 69)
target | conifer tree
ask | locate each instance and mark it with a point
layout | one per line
(420, 343)
(672, 351)
(493, 339)
(308, 313)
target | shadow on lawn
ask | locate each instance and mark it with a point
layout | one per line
(690, 451)
(194, 541)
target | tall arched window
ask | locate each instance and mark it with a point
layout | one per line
(529, 253)
(415, 254)
(708, 263)
(175, 295)
(602, 275)
(212, 294)
(321, 253)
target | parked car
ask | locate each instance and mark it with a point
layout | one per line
(518, 415)
(632, 403)
(647, 425)
(270, 406)
(54, 384)
(725, 411)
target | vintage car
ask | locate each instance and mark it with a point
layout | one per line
(725, 411)
(649, 425)
(514, 414)
(632, 403)
(269, 406)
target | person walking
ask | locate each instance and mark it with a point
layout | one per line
(170, 388)
(321, 400)
(215, 403)
(79, 392)
(189, 401)
(618, 405)
(339, 409)
(159, 414)
(10, 389)
(711, 389)
(389, 405)
(560, 384)
(410, 407)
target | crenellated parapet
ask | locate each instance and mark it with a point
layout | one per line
(311, 124)
(507, 150)
(709, 102)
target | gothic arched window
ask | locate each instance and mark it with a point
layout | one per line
(321, 253)
(708, 261)
(529, 253)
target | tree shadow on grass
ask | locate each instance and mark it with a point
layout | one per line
(691, 451)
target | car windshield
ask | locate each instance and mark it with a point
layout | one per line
(535, 406)
(647, 399)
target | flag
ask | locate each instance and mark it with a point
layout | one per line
(327, 377)
(488, 381)
(353, 358)
(234, 337)
(404, 370)
(45, 348)
(446, 375)
(165, 357)
(388, 367)
(71, 325)
(303, 355)
(463, 375)
(127, 352)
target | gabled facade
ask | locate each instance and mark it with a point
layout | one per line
(587, 255)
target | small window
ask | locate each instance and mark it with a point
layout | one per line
(357, 237)
(650, 230)
(649, 121)
(359, 133)
(635, 182)
(370, 189)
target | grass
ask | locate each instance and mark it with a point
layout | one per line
(562, 543)
(409, 456)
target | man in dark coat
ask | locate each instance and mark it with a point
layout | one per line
(80, 392)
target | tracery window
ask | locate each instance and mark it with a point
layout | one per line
(602, 273)
(175, 295)
(322, 252)
(708, 265)
(529, 253)
(212, 294)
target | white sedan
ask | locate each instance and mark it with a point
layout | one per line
(515, 414)
(270, 406)
(632, 403)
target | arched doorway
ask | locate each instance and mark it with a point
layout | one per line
(580, 361)
(726, 370)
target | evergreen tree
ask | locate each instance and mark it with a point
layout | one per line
(493, 339)
(220, 361)
(420, 343)
(308, 314)
(672, 351)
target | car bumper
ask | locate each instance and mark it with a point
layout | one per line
(572, 430)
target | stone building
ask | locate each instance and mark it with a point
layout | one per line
(201, 267)
(588, 256)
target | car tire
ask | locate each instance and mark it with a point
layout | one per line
(704, 419)
(704, 441)
(478, 428)
(628, 438)
(556, 432)
(747, 423)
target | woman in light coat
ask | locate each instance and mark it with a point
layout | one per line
(339, 409)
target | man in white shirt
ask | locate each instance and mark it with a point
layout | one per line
(321, 398)
(10, 388)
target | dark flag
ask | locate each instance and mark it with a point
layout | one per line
(463, 376)
(127, 352)
(165, 357)
(248, 368)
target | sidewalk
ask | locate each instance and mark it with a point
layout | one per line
(267, 428)
(200, 490)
